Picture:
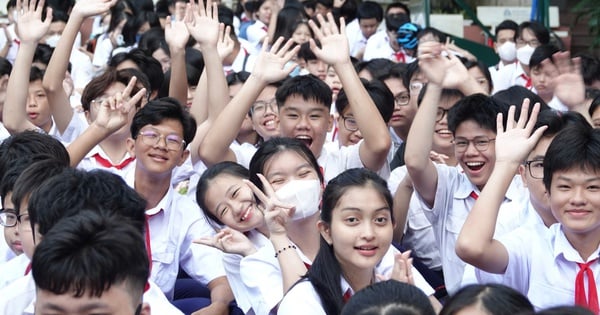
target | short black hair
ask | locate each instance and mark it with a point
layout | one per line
(5, 66)
(394, 21)
(156, 111)
(150, 66)
(369, 10)
(389, 297)
(590, 68)
(515, 95)
(378, 67)
(36, 74)
(326, 3)
(309, 87)
(540, 31)
(305, 53)
(542, 53)
(493, 298)
(556, 121)
(398, 5)
(506, 25)
(479, 108)
(88, 253)
(379, 93)
(397, 71)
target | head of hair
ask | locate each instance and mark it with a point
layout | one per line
(378, 67)
(157, 111)
(539, 31)
(479, 108)
(556, 121)
(287, 19)
(88, 253)
(23, 146)
(566, 310)
(59, 15)
(33, 177)
(71, 190)
(153, 40)
(398, 5)
(389, 297)
(379, 93)
(309, 87)
(574, 148)
(194, 57)
(5, 66)
(36, 74)
(348, 10)
(515, 95)
(446, 94)
(101, 83)
(506, 25)
(148, 65)
(483, 68)
(17, 167)
(326, 3)
(61, 5)
(496, 299)
(394, 21)
(305, 53)
(226, 15)
(222, 168)
(325, 272)
(142, 5)
(542, 53)
(237, 78)
(594, 105)
(398, 71)
(590, 68)
(370, 10)
(437, 34)
(274, 146)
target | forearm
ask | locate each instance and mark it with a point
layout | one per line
(178, 85)
(218, 95)
(14, 112)
(292, 266)
(401, 206)
(85, 143)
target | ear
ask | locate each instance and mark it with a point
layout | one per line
(522, 170)
(184, 156)
(145, 309)
(325, 231)
(130, 143)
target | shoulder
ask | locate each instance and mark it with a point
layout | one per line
(301, 299)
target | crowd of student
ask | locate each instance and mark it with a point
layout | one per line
(317, 157)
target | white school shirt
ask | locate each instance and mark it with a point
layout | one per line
(231, 262)
(356, 40)
(544, 266)
(3, 132)
(508, 76)
(243, 152)
(418, 232)
(245, 54)
(378, 46)
(451, 208)
(255, 33)
(303, 299)
(13, 270)
(174, 223)
(19, 298)
(335, 159)
(89, 163)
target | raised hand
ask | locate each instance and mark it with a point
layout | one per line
(176, 33)
(514, 142)
(277, 214)
(229, 241)
(567, 79)
(225, 44)
(272, 65)
(440, 66)
(30, 27)
(115, 112)
(203, 23)
(334, 43)
(92, 7)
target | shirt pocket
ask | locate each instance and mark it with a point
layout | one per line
(164, 267)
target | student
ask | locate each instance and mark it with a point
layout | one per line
(160, 132)
(595, 112)
(64, 195)
(528, 257)
(368, 17)
(385, 44)
(504, 45)
(356, 227)
(446, 193)
(264, 24)
(492, 299)
(389, 297)
(92, 263)
(310, 64)
(541, 79)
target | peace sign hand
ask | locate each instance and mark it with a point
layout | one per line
(277, 214)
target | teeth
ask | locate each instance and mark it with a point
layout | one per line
(366, 248)
(303, 137)
(475, 163)
(269, 123)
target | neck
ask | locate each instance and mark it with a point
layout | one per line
(150, 187)
(358, 278)
(305, 235)
(250, 137)
(115, 149)
(586, 244)
(401, 132)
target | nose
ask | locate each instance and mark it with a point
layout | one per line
(471, 150)
(578, 197)
(31, 101)
(358, 134)
(368, 231)
(322, 66)
(303, 123)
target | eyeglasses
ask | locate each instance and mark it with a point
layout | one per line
(152, 138)
(402, 99)
(415, 87)
(350, 123)
(533, 43)
(480, 143)
(23, 220)
(260, 107)
(441, 112)
(8, 217)
(536, 168)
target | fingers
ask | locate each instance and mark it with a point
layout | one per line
(259, 194)
(510, 118)
(127, 91)
(533, 118)
(276, 44)
(499, 124)
(524, 114)
(267, 188)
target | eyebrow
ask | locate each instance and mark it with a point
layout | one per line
(587, 180)
(84, 308)
(384, 208)
(271, 175)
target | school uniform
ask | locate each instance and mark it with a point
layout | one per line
(19, 298)
(172, 226)
(356, 40)
(418, 232)
(231, 263)
(261, 276)
(245, 59)
(454, 197)
(98, 159)
(545, 266)
(378, 46)
(512, 74)
(3, 132)
(334, 160)
(255, 33)
(243, 152)
(13, 270)
(303, 299)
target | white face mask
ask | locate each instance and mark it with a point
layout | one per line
(507, 52)
(52, 41)
(303, 194)
(524, 54)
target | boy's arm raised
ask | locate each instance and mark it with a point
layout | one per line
(475, 244)
(376, 137)
(31, 29)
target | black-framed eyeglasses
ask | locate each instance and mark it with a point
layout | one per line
(415, 87)
(237, 77)
(402, 99)
(481, 143)
(260, 107)
(8, 217)
(533, 43)
(441, 112)
(350, 123)
(152, 138)
(536, 168)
